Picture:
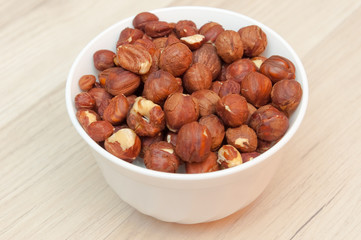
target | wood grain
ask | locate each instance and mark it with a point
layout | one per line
(51, 187)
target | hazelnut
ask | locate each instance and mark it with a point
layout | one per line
(239, 69)
(99, 130)
(269, 123)
(222, 74)
(129, 36)
(243, 138)
(258, 61)
(256, 88)
(211, 30)
(103, 75)
(171, 137)
(86, 117)
(102, 99)
(210, 164)
(278, 68)
(146, 118)
(117, 110)
(207, 54)
(159, 85)
(180, 109)
(142, 18)
(86, 82)
(131, 99)
(216, 86)
(124, 144)
(160, 43)
(175, 59)
(147, 141)
(229, 87)
(251, 110)
(154, 67)
(264, 146)
(134, 58)
(156, 29)
(194, 41)
(197, 77)
(246, 157)
(147, 44)
(160, 156)
(122, 82)
(171, 39)
(254, 40)
(207, 100)
(229, 46)
(185, 28)
(84, 100)
(103, 59)
(216, 129)
(193, 142)
(286, 95)
(228, 156)
(233, 110)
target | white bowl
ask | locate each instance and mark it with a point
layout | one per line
(187, 198)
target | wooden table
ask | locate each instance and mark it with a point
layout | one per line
(51, 187)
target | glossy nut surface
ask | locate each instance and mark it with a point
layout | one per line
(160, 156)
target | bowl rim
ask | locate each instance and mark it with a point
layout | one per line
(183, 176)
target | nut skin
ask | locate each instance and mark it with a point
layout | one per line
(134, 58)
(228, 156)
(229, 87)
(160, 43)
(84, 100)
(254, 40)
(239, 69)
(251, 110)
(233, 110)
(256, 88)
(216, 86)
(122, 82)
(175, 59)
(185, 28)
(180, 109)
(86, 82)
(103, 75)
(171, 39)
(171, 137)
(99, 130)
(131, 99)
(258, 61)
(211, 30)
(269, 123)
(216, 129)
(197, 77)
(208, 165)
(193, 142)
(156, 29)
(194, 41)
(207, 100)
(103, 59)
(243, 138)
(246, 157)
(142, 18)
(147, 44)
(207, 54)
(146, 118)
(160, 85)
(102, 99)
(129, 36)
(147, 141)
(86, 117)
(160, 156)
(286, 95)
(155, 65)
(264, 146)
(229, 46)
(117, 110)
(124, 144)
(278, 68)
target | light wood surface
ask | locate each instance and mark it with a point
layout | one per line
(51, 187)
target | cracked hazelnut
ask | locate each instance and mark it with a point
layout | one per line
(243, 138)
(216, 129)
(175, 59)
(228, 156)
(207, 54)
(122, 82)
(286, 95)
(145, 117)
(99, 130)
(160, 156)
(84, 100)
(117, 110)
(269, 123)
(124, 144)
(193, 142)
(229, 87)
(197, 77)
(129, 36)
(256, 88)
(185, 28)
(211, 30)
(103, 59)
(207, 100)
(142, 18)
(239, 69)
(210, 164)
(160, 85)
(233, 110)
(246, 157)
(254, 40)
(156, 29)
(194, 41)
(86, 82)
(258, 61)
(229, 46)
(86, 117)
(278, 68)
(134, 58)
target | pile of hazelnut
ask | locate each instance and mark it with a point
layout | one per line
(174, 94)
